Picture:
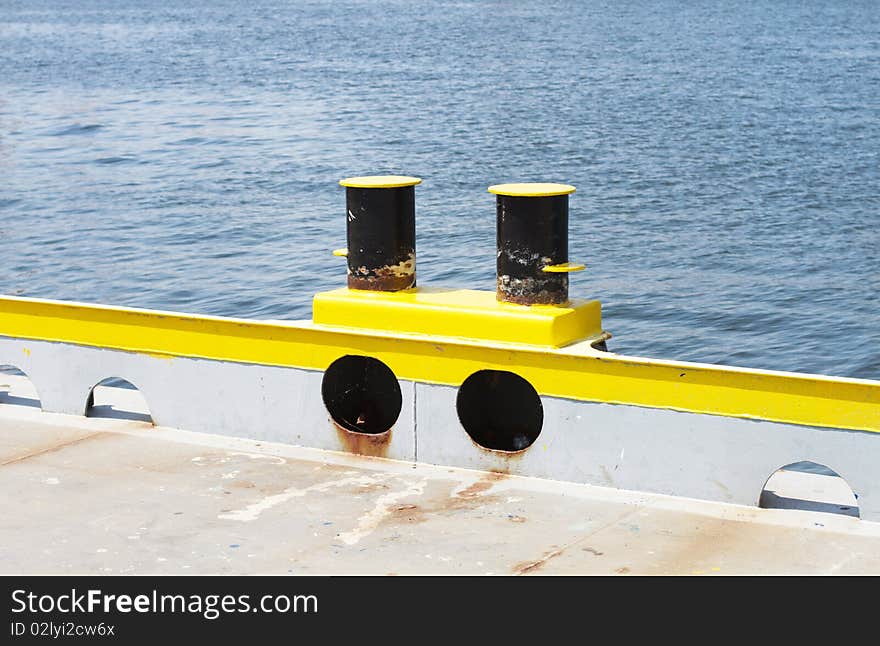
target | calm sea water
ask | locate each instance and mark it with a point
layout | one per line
(725, 154)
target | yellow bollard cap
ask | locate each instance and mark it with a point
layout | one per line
(531, 189)
(380, 181)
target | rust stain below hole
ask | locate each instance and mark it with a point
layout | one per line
(508, 458)
(370, 444)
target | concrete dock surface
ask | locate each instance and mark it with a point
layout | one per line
(104, 495)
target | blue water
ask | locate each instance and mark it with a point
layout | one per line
(725, 154)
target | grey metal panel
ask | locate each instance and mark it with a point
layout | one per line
(648, 449)
(626, 447)
(241, 400)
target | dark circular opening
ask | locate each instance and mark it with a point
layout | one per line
(361, 394)
(500, 410)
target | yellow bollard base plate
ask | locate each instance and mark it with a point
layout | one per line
(463, 313)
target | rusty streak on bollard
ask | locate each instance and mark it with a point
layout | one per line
(381, 232)
(532, 226)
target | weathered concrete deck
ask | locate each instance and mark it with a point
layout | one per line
(97, 495)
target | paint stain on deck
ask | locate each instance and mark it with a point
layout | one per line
(385, 506)
(254, 510)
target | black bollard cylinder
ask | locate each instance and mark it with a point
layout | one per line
(532, 225)
(381, 232)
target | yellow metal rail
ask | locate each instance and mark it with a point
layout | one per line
(570, 373)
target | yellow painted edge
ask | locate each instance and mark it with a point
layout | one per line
(342, 253)
(811, 400)
(380, 181)
(532, 189)
(466, 317)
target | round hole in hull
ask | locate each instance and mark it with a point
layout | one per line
(361, 394)
(500, 410)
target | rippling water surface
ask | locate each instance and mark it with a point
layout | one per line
(725, 154)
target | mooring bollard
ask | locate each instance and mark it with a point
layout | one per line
(381, 232)
(532, 222)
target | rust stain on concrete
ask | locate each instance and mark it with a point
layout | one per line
(51, 448)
